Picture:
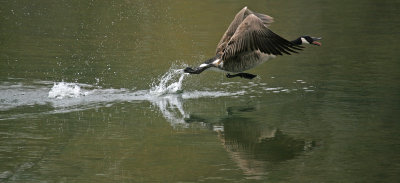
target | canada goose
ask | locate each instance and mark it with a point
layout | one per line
(247, 43)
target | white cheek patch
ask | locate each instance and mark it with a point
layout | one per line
(304, 41)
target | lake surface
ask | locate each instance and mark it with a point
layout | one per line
(93, 91)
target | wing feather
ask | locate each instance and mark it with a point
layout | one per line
(253, 35)
(240, 16)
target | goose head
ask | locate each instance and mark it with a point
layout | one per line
(310, 40)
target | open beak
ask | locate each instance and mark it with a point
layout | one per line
(315, 42)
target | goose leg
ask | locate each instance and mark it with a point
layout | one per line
(242, 75)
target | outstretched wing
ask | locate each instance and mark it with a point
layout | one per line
(240, 16)
(253, 35)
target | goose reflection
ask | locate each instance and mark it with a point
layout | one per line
(171, 108)
(255, 146)
(252, 144)
(259, 140)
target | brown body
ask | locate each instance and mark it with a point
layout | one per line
(247, 43)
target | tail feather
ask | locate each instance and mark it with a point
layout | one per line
(204, 66)
(197, 70)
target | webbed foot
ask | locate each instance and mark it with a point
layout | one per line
(242, 75)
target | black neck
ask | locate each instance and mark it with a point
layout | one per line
(297, 41)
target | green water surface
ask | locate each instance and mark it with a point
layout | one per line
(328, 114)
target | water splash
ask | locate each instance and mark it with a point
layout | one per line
(166, 93)
(66, 90)
(169, 83)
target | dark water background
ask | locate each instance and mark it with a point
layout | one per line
(79, 100)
